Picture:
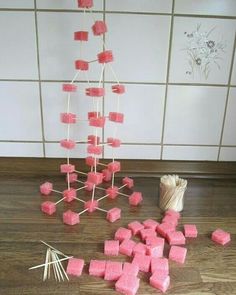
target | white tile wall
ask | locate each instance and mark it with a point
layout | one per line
(176, 69)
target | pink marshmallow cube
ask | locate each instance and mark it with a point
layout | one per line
(129, 182)
(113, 270)
(155, 250)
(105, 57)
(155, 241)
(68, 87)
(67, 168)
(75, 267)
(94, 149)
(95, 91)
(97, 268)
(170, 219)
(190, 231)
(147, 232)
(114, 142)
(113, 214)
(160, 264)
(68, 144)
(160, 281)
(127, 284)
(48, 207)
(135, 198)
(88, 186)
(91, 205)
(135, 227)
(91, 161)
(85, 3)
(81, 36)
(107, 175)
(112, 192)
(93, 139)
(71, 177)
(116, 117)
(130, 269)
(177, 254)
(126, 247)
(68, 118)
(46, 188)
(143, 262)
(164, 228)
(99, 28)
(111, 248)
(93, 115)
(114, 166)
(70, 217)
(175, 238)
(150, 223)
(97, 122)
(69, 195)
(123, 233)
(95, 177)
(140, 248)
(220, 236)
(81, 65)
(118, 88)
(173, 213)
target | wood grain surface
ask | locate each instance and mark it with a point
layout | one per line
(209, 268)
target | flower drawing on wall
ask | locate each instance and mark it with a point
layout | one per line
(204, 52)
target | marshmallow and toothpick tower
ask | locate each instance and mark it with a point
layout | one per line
(96, 120)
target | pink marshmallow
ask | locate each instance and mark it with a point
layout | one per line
(48, 207)
(99, 28)
(220, 236)
(97, 122)
(72, 177)
(143, 262)
(95, 91)
(114, 142)
(119, 88)
(67, 168)
(164, 228)
(160, 264)
(175, 238)
(75, 267)
(126, 247)
(177, 254)
(170, 219)
(88, 186)
(116, 117)
(113, 270)
(140, 248)
(135, 226)
(81, 65)
(94, 149)
(111, 248)
(155, 246)
(113, 214)
(112, 192)
(123, 233)
(127, 284)
(130, 269)
(155, 241)
(150, 223)
(107, 175)
(91, 205)
(129, 182)
(190, 231)
(68, 87)
(85, 3)
(160, 281)
(147, 232)
(95, 177)
(135, 198)
(91, 161)
(105, 57)
(46, 188)
(81, 36)
(114, 166)
(93, 139)
(97, 268)
(68, 118)
(70, 217)
(93, 115)
(67, 144)
(69, 195)
(173, 213)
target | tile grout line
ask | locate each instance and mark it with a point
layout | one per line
(167, 79)
(227, 98)
(39, 75)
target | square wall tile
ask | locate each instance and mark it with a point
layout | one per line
(58, 50)
(65, 4)
(229, 135)
(55, 103)
(158, 6)
(140, 46)
(142, 106)
(233, 77)
(190, 153)
(54, 150)
(209, 7)
(228, 154)
(21, 149)
(18, 59)
(17, 4)
(21, 118)
(194, 114)
(201, 50)
(145, 152)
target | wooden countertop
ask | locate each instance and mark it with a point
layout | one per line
(209, 268)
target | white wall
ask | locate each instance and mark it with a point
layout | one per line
(176, 107)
